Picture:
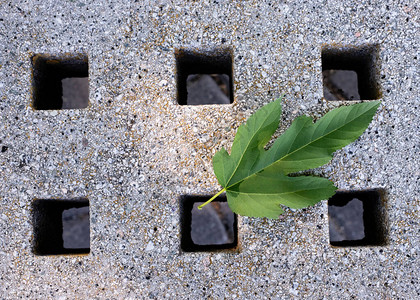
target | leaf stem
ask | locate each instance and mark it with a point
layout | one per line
(211, 199)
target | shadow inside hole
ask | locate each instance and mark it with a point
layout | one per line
(55, 224)
(204, 78)
(60, 83)
(340, 84)
(210, 229)
(357, 218)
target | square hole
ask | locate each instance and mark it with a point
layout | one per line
(213, 228)
(357, 218)
(60, 82)
(204, 78)
(350, 73)
(61, 226)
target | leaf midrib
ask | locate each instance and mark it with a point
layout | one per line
(286, 193)
(288, 154)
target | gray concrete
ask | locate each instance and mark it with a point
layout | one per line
(75, 92)
(346, 223)
(203, 89)
(76, 228)
(208, 224)
(343, 83)
(133, 151)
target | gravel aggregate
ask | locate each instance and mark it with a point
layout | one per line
(134, 151)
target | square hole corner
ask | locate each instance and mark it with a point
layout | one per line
(212, 229)
(204, 77)
(358, 218)
(60, 82)
(351, 72)
(51, 231)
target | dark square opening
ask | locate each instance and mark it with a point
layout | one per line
(60, 82)
(213, 228)
(357, 218)
(61, 226)
(351, 73)
(204, 78)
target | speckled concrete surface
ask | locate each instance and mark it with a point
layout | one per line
(134, 150)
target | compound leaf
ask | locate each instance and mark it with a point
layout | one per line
(255, 179)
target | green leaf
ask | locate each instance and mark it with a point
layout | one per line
(256, 180)
(307, 145)
(260, 195)
(248, 144)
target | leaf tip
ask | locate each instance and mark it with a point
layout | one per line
(279, 99)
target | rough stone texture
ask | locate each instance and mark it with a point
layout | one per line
(133, 151)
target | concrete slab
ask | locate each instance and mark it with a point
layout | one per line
(134, 151)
